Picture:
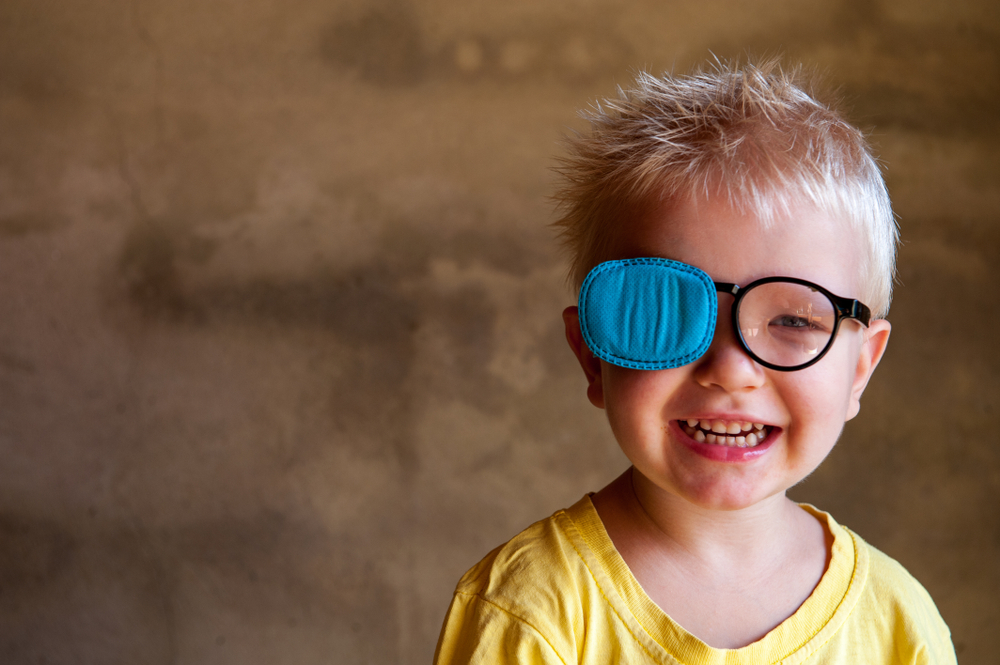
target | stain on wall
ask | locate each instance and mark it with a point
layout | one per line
(282, 355)
(386, 45)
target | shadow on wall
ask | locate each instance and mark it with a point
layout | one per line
(378, 310)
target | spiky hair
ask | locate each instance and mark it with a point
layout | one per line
(749, 133)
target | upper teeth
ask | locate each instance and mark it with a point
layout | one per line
(721, 432)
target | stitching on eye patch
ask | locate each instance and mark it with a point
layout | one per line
(636, 363)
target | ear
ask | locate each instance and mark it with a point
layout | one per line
(588, 361)
(872, 348)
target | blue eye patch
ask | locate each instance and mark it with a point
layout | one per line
(648, 313)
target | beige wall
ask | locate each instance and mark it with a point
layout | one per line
(280, 345)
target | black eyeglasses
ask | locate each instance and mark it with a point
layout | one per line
(785, 323)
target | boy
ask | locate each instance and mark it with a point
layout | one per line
(734, 246)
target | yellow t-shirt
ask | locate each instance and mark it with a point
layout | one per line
(559, 592)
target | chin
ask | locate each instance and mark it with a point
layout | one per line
(727, 494)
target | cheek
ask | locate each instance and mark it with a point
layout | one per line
(621, 387)
(818, 402)
(635, 399)
(828, 384)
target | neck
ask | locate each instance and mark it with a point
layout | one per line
(726, 576)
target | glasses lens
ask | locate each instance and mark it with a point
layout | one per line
(786, 324)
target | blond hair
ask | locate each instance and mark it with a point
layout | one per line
(748, 132)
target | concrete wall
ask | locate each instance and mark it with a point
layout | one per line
(280, 345)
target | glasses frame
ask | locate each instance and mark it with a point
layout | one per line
(846, 308)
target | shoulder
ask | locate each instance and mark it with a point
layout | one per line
(896, 591)
(524, 602)
(896, 607)
(888, 579)
(536, 571)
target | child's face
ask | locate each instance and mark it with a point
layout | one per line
(804, 410)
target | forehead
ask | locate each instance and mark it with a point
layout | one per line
(738, 246)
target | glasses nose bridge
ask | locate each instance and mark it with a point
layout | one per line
(733, 328)
(727, 287)
(733, 290)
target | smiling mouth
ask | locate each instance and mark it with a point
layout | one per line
(732, 433)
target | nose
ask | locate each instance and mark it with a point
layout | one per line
(726, 365)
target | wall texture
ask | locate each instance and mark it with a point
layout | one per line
(280, 341)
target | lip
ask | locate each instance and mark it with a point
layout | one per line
(718, 453)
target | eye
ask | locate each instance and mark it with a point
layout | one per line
(791, 321)
(796, 323)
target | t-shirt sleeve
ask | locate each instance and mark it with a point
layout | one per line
(924, 633)
(478, 631)
(935, 647)
(909, 618)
